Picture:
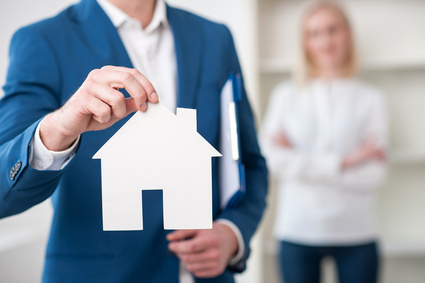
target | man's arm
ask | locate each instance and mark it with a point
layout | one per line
(33, 90)
(31, 84)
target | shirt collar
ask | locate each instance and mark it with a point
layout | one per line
(119, 18)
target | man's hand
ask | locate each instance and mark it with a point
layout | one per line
(205, 253)
(97, 105)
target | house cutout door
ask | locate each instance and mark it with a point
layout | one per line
(153, 209)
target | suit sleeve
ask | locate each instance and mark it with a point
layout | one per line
(247, 214)
(31, 89)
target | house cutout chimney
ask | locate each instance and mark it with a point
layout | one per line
(188, 117)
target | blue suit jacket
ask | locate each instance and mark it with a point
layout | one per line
(49, 60)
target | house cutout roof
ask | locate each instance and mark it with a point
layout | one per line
(157, 149)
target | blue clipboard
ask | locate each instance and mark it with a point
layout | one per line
(231, 168)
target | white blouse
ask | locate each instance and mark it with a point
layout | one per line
(318, 202)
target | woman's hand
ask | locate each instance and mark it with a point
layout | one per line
(280, 139)
(368, 151)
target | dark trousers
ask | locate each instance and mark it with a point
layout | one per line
(355, 264)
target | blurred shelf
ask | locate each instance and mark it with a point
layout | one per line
(406, 157)
(284, 66)
(275, 66)
(407, 64)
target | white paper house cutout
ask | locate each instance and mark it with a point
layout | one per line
(157, 149)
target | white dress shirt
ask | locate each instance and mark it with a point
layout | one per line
(318, 203)
(152, 52)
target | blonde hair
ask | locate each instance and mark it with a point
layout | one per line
(303, 70)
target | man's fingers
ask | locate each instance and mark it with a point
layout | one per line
(147, 85)
(108, 103)
(130, 105)
(195, 245)
(208, 273)
(180, 235)
(187, 247)
(114, 98)
(203, 266)
(119, 79)
(207, 255)
(101, 112)
(150, 92)
(114, 79)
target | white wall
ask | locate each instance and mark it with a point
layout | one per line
(23, 237)
(18, 13)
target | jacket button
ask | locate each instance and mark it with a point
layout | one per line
(15, 170)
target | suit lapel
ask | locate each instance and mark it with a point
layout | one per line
(100, 35)
(188, 46)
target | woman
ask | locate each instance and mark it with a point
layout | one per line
(325, 139)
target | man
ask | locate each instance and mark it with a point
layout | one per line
(71, 83)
